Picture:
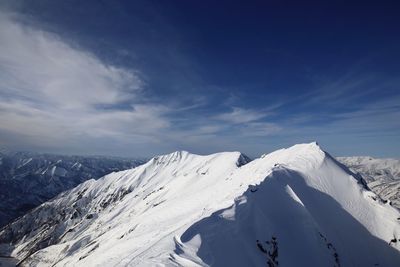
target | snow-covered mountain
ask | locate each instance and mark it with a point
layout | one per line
(293, 207)
(29, 179)
(382, 175)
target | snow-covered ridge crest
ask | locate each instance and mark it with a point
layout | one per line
(174, 156)
(301, 156)
(185, 209)
(183, 155)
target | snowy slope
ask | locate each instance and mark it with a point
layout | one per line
(29, 179)
(295, 207)
(382, 175)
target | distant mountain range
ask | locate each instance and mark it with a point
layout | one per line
(293, 207)
(29, 179)
(381, 175)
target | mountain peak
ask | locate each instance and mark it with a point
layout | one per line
(310, 146)
(299, 156)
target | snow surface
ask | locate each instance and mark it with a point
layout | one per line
(293, 207)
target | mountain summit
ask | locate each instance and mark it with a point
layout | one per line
(293, 207)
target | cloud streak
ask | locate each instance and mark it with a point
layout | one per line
(240, 115)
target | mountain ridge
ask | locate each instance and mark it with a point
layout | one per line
(29, 179)
(147, 215)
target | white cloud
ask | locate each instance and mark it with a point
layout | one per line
(40, 67)
(50, 92)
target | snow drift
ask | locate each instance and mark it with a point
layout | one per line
(292, 207)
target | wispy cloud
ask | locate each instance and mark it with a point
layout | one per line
(240, 115)
(261, 129)
(39, 67)
(49, 88)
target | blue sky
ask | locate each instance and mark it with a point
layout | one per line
(137, 78)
